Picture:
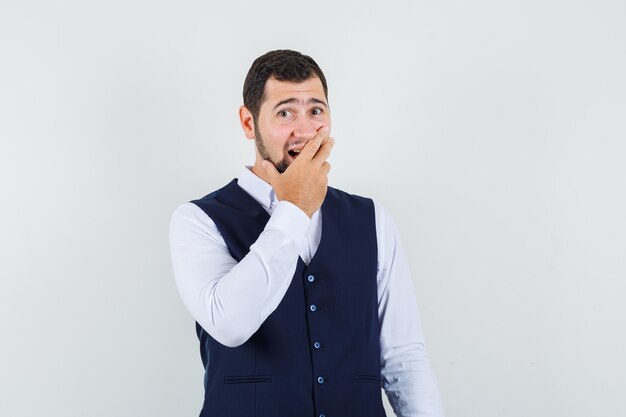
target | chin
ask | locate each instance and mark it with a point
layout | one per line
(282, 166)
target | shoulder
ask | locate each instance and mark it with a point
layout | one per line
(212, 196)
(383, 218)
(189, 227)
(351, 199)
(189, 215)
(193, 215)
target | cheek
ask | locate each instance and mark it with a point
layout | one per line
(322, 121)
(282, 132)
(321, 124)
(276, 138)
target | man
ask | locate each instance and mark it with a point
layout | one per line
(301, 293)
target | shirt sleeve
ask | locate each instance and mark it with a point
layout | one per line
(210, 281)
(407, 377)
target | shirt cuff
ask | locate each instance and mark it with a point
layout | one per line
(289, 219)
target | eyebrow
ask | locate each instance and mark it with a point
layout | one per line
(295, 100)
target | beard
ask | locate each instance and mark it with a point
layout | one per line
(282, 165)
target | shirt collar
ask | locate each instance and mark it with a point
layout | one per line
(261, 191)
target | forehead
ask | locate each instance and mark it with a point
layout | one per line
(276, 91)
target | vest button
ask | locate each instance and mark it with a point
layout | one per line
(310, 278)
(313, 307)
(317, 345)
(322, 415)
(320, 379)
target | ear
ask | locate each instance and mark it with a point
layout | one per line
(247, 122)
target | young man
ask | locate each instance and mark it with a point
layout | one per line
(301, 293)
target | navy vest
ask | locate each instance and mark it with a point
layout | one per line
(318, 353)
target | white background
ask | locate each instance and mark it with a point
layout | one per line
(493, 131)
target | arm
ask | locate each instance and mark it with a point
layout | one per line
(408, 380)
(231, 300)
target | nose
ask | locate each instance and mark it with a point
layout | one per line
(305, 128)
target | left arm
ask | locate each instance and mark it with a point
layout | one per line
(408, 380)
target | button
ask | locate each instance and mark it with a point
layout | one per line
(317, 345)
(322, 415)
(313, 307)
(310, 278)
(320, 379)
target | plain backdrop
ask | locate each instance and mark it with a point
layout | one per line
(493, 131)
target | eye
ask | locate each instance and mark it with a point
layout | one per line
(317, 111)
(284, 113)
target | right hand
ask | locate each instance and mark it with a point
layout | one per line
(305, 181)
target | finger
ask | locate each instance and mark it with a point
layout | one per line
(312, 146)
(270, 170)
(325, 168)
(324, 151)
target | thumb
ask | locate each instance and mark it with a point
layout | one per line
(269, 169)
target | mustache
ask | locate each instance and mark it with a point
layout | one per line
(296, 144)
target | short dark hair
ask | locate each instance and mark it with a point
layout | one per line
(283, 65)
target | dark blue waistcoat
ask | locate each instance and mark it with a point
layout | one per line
(318, 353)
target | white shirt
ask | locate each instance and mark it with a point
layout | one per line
(232, 309)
